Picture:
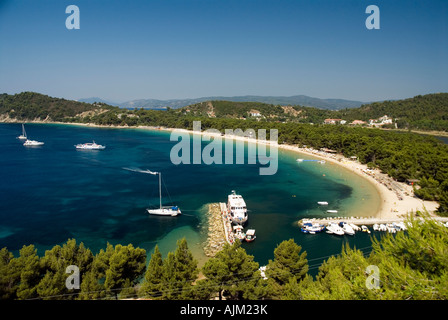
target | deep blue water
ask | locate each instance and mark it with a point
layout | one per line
(52, 193)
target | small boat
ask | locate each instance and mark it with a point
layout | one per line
(239, 233)
(250, 235)
(90, 146)
(365, 229)
(299, 160)
(332, 211)
(23, 135)
(312, 228)
(382, 227)
(347, 228)
(333, 228)
(376, 227)
(163, 211)
(323, 203)
(355, 227)
(32, 143)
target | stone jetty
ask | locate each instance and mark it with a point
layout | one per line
(216, 230)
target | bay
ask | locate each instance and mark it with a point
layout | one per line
(55, 192)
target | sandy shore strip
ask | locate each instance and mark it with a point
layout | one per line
(397, 198)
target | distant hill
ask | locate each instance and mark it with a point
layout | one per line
(330, 104)
(422, 112)
(98, 100)
(32, 106)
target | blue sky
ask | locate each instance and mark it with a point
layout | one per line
(166, 49)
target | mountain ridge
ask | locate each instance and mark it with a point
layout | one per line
(303, 100)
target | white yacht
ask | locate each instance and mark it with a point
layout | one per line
(347, 229)
(90, 146)
(333, 228)
(163, 211)
(237, 208)
(23, 135)
(322, 203)
(32, 143)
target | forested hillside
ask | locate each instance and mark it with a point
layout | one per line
(427, 112)
(29, 106)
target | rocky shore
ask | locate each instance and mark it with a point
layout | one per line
(216, 234)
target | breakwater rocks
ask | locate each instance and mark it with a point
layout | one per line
(216, 234)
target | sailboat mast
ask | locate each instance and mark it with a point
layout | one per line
(160, 188)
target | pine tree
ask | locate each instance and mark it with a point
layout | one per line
(152, 284)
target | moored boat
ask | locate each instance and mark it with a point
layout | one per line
(250, 235)
(347, 228)
(333, 228)
(239, 233)
(237, 208)
(312, 228)
(90, 146)
(32, 143)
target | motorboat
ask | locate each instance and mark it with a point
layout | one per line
(365, 229)
(333, 228)
(355, 227)
(332, 211)
(237, 208)
(250, 235)
(32, 143)
(347, 228)
(322, 203)
(90, 146)
(312, 228)
(376, 227)
(239, 232)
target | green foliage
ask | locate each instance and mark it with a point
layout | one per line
(412, 265)
(233, 272)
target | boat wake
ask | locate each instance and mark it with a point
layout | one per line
(140, 170)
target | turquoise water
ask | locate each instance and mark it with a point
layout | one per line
(55, 192)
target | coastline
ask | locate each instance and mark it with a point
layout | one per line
(397, 198)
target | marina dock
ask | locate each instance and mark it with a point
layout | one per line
(367, 221)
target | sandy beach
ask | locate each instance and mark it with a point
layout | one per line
(397, 198)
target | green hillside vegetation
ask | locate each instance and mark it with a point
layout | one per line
(29, 106)
(427, 112)
(412, 264)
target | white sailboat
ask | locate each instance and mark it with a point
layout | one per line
(163, 211)
(23, 135)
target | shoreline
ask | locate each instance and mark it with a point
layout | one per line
(389, 190)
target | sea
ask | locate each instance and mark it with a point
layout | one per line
(54, 192)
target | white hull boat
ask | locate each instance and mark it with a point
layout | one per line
(333, 228)
(23, 135)
(32, 143)
(237, 208)
(90, 146)
(347, 229)
(322, 203)
(163, 211)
